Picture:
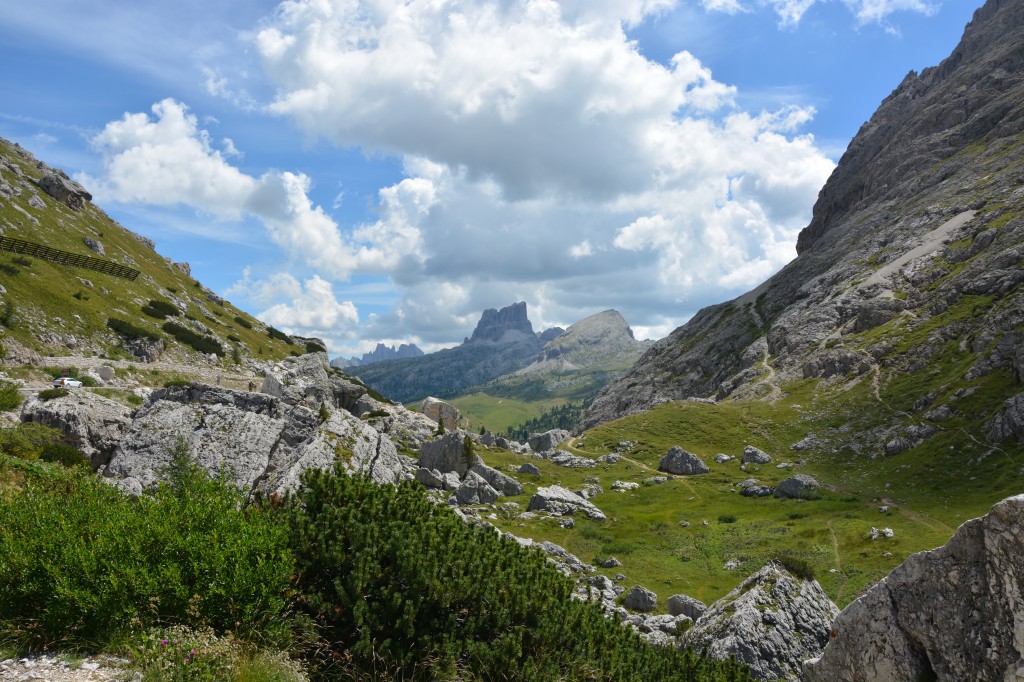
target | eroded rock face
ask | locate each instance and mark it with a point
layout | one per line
(1010, 422)
(549, 440)
(954, 613)
(307, 379)
(261, 442)
(447, 454)
(772, 622)
(440, 411)
(91, 423)
(65, 190)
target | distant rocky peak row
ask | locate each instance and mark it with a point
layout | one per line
(379, 354)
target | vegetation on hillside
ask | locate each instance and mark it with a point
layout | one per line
(559, 417)
(104, 313)
(351, 579)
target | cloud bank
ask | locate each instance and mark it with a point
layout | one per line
(545, 158)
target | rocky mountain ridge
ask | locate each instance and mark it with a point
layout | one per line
(54, 307)
(379, 354)
(916, 241)
(576, 363)
(502, 342)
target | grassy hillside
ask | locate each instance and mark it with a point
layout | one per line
(57, 309)
(678, 536)
(497, 414)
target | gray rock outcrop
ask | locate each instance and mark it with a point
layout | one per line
(447, 453)
(800, 486)
(89, 422)
(475, 490)
(640, 599)
(94, 246)
(1010, 422)
(261, 442)
(772, 622)
(307, 379)
(559, 501)
(682, 463)
(685, 605)
(752, 455)
(440, 411)
(65, 190)
(503, 483)
(954, 613)
(549, 440)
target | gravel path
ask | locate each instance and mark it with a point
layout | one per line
(64, 668)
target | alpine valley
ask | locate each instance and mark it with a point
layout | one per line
(821, 479)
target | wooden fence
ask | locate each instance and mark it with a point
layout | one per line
(66, 257)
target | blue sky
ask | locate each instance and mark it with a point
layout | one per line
(384, 170)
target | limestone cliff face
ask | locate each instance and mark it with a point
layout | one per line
(922, 213)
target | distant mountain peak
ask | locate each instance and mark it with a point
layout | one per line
(497, 326)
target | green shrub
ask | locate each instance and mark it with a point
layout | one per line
(200, 342)
(233, 338)
(242, 322)
(27, 440)
(129, 331)
(278, 334)
(9, 269)
(171, 383)
(81, 562)
(314, 347)
(9, 317)
(51, 393)
(22, 261)
(10, 396)
(727, 518)
(801, 568)
(62, 453)
(397, 583)
(160, 309)
(80, 295)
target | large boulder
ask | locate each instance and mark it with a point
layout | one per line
(475, 490)
(752, 455)
(685, 605)
(439, 411)
(560, 501)
(953, 613)
(640, 599)
(503, 483)
(447, 453)
(800, 486)
(682, 463)
(549, 440)
(65, 190)
(772, 621)
(91, 423)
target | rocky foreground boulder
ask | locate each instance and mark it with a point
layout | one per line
(682, 463)
(954, 613)
(772, 621)
(91, 423)
(260, 441)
